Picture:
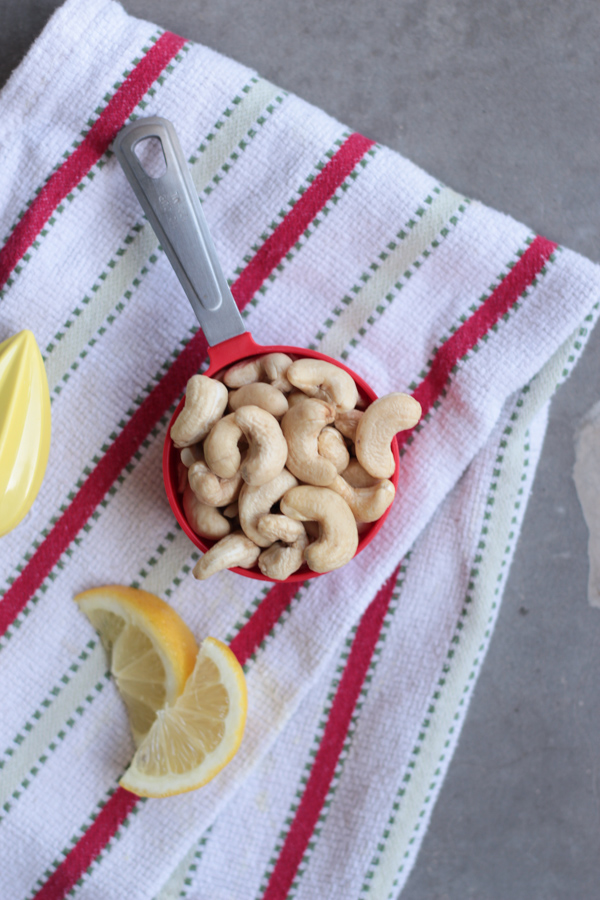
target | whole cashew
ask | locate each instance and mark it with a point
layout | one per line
(338, 540)
(325, 381)
(301, 427)
(275, 527)
(332, 446)
(259, 394)
(268, 448)
(234, 550)
(367, 503)
(221, 450)
(281, 560)
(205, 402)
(271, 368)
(347, 422)
(256, 501)
(204, 520)
(210, 489)
(379, 423)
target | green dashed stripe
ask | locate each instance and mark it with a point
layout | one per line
(60, 735)
(182, 878)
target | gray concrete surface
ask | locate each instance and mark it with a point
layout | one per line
(500, 101)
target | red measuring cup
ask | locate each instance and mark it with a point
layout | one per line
(171, 203)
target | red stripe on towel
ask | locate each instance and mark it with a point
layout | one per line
(89, 846)
(93, 146)
(470, 332)
(259, 625)
(293, 226)
(171, 385)
(332, 743)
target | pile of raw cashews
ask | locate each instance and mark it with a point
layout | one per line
(281, 464)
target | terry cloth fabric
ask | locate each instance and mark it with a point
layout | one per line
(358, 681)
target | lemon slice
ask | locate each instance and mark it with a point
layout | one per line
(152, 651)
(191, 741)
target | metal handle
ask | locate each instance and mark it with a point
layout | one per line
(173, 209)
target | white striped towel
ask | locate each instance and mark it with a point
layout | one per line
(360, 680)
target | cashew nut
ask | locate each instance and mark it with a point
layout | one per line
(338, 540)
(221, 450)
(301, 426)
(358, 477)
(271, 368)
(259, 394)
(367, 503)
(234, 550)
(347, 422)
(275, 527)
(205, 402)
(256, 501)
(282, 560)
(332, 446)
(204, 520)
(267, 446)
(232, 510)
(325, 381)
(189, 455)
(379, 423)
(210, 489)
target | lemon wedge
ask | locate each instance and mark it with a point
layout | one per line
(191, 741)
(152, 651)
(24, 427)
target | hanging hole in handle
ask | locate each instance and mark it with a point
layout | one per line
(151, 155)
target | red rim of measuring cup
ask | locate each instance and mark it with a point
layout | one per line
(234, 350)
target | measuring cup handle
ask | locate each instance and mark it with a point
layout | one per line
(171, 204)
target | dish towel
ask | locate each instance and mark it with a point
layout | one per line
(358, 681)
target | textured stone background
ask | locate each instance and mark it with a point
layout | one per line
(498, 99)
